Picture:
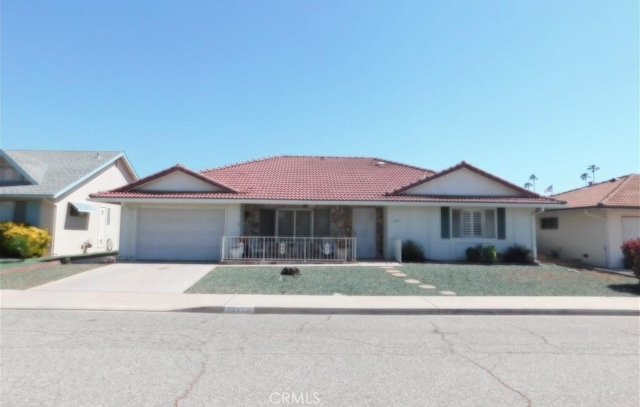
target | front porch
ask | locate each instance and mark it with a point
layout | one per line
(306, 233)
(288, 249)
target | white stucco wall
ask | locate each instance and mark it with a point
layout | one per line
(578, 237)
(233, 223)
(593, 236)
(463, 182)
(68, 242)
(422, 224)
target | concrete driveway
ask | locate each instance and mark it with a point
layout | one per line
(133, 278)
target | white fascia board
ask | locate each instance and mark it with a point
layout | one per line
(303, 202)
(87, 176)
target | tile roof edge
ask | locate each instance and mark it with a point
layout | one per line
(614, 191)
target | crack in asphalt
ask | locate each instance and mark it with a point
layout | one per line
(452, 349)
(203, 365)
(537, 335)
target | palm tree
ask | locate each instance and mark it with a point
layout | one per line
(528, 185)
(533, 179)
(584, 176)
(593, 168)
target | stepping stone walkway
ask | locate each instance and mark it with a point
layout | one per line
(447, 293)
(392, 271)
(428, 287)
(412, 281)
(398, 274)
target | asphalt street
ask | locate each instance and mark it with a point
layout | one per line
(75, 358)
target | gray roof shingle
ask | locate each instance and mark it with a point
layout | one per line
(54, 171)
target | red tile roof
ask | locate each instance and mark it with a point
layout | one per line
(314, 178)
(622, 192)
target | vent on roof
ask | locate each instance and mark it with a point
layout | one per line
(98, 156)
(379, 163)
(613, 180)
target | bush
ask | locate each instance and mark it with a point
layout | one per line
(474, 254)
(517, 254)
(482, 254)
(631, 252)
(489, 254)
(412, 251)
(23, 241)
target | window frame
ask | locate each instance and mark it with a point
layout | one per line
(469, 223)
(550, 223)
(294, 212)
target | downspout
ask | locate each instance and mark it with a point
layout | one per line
(534, 242)
(606, 235)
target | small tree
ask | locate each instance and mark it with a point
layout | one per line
(584, 176)
(528, 185)
(593, 168)
(533, 179)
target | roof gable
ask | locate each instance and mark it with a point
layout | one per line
(53, 173)
(176, 179)
(464, 180)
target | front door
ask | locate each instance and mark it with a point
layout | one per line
(364, 230)
(102, 221)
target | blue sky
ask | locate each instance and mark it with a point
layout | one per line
(514, 87)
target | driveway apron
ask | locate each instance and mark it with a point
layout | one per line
(133, 278)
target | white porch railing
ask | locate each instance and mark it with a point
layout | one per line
(300, 249)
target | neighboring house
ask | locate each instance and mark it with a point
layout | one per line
(312, 208)
(49, 189)
(597, 219)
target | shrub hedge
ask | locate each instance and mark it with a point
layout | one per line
(412, 252)
(631, 253)
(23, 241)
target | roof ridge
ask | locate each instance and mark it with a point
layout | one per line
(316, 156)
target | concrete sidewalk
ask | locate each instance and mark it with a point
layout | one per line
(309, 304)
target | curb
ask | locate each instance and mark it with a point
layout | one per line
(249, 310)
(407, 311)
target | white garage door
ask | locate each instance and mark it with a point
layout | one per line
(190, 234)
(630, 227)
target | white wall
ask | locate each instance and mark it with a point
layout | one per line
(422, 224)
(578, 237)
(406, 223)
(68, 242)
(615, 234)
